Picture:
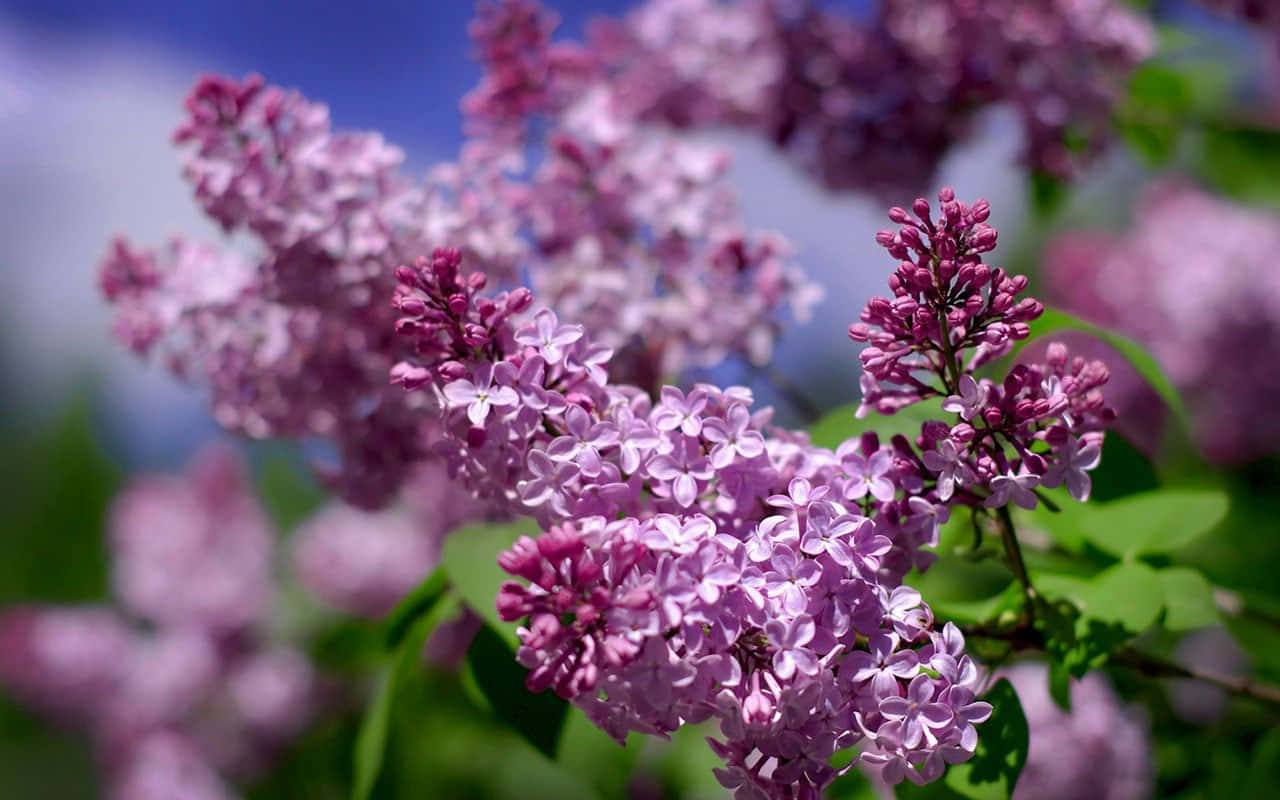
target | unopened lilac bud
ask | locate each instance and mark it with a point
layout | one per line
(410, 305)
(900, 215)
(921, 208)
(963, 432)
(518, 300)
(458, 304)
(452, 371)
(981, 210)
(476, 436)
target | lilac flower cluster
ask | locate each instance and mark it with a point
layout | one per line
(695, 564)
(1192, 281)
(1099, 749)
(951, 314)
(181, 684)
(635, 234)
(874, 103)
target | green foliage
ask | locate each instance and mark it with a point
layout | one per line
(589, 753)
(538, 717)
(992, 773)
(55, 495)
(286, 487)
(470, 559)
(839, 425)
(1162, 521)
(371, 740)
(1242, 161)
(1188, 599)
(412, 606)
(1122, 472)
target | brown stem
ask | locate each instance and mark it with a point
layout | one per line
(1156, 667)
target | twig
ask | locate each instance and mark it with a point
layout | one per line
(1157, 667)
(1010, 540)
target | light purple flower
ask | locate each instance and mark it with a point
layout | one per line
(968, 403)
(947, 460)
(549, 336)
(1070, 465)
(479, 395)
(869, 475)
(790, 638)
(916, 716)
(733, 436)
(1015, 487)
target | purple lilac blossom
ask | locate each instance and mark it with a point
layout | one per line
(950, 314)
(1099, 750)
(874, 103)
(363, 562)
(1192, 281)
(666, 583)
(179, 685)
(669, 587)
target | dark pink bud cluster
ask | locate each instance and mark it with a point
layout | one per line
(951, 314)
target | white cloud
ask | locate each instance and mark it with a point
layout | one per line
(84, 155)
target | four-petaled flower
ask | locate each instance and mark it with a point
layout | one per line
(549, 336)
(479, 395)
(969, 402)
(917, 718)
(868, 475)
(1013, 487)
(1070, 464)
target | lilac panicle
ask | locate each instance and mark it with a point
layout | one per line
(695, 564)
(951, 314)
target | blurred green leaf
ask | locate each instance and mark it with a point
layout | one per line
(1060, 685)
(1263, 775)
(286, 487)
(1242, 161)
(591, 754)
(538, 717)
(418, 602)
(1188, 599)
(1048, 193)
(841, 424)
(1153, 522)
(1122, 472)
(371, 740)
(55, 496)
(470, 559)
(992, 773)
(1129, 594)
(1150, 118)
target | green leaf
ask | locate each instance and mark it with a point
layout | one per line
(587, 752)
(539, 717)
(1188, 599)
(1242, 161)
(839, 425)
(1150, 117)
(1143, 362)
(1264, 768)
(470, 559)
(371, 739)
(1003, 743)
(1153, 522)
(1122, 472)
(287, 488)
(1048, 193)
(1060, 685)
(418, 602)
(1129, 594)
